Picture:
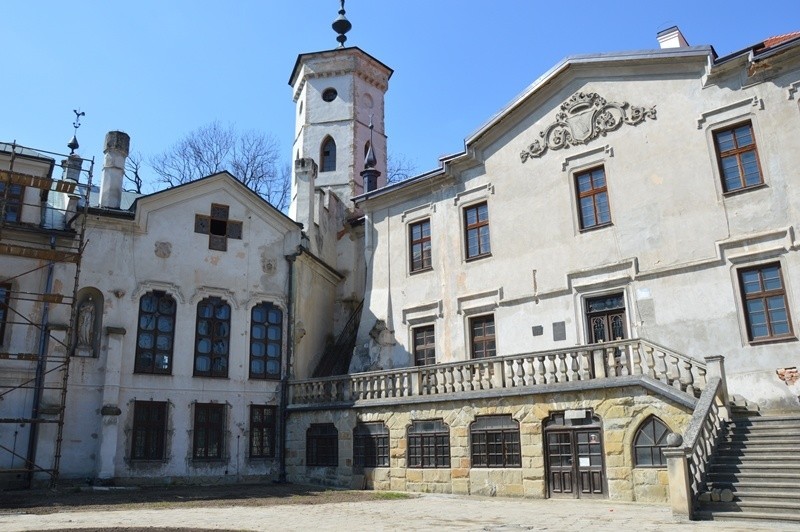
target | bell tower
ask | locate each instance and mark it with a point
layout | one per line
(338, 94)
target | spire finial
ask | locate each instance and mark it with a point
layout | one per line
(370, 161)
(341, 26)
(73, 143)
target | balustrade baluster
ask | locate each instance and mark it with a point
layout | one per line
(485, 374)
(636, 359)
(611, 362)
(585, 364)
(510, 368)
(676, 381)
(651, 362)
(688, 379)
(624, 360)
(540, 370)
(530, 373)
(549, 369)
(663, 369)
(562, 368)
(573, 363)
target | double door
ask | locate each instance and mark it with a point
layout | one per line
(575, 463)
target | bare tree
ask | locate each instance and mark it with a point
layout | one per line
(133, 168)
(252, 157)
(399, 168)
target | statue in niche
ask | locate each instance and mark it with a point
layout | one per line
(85, 328)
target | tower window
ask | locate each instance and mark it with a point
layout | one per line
(328, 158)
(329, 94)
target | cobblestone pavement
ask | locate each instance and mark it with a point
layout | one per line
(426, 512)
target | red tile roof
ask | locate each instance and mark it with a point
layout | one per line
(778, 39)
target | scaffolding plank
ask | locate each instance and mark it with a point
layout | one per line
(38, 253)
(19, 356)
(29, 180)
(26, 420)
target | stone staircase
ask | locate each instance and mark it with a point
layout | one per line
(755, 473)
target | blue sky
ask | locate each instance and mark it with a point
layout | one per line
(158, 69)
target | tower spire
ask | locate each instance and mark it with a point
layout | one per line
(341, 26)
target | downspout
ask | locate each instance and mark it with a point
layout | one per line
(284, 396)
(38, 384)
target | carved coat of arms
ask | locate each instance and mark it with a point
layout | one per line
(584, 117)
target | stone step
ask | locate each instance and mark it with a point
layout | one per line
(789, 460)
(771, 493)
(737, 515)
(776, 445)
(717, 475)
(767, 419)
(753, 504)
(772, 427)
(751, 487)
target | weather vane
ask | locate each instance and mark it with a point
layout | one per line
(73, 143)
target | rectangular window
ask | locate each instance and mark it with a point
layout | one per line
(420, 241)
(476, 227)
(764, 299)
(737, 157)
(482, 338)
(212, 338)
(11, 199)
(149, 430)
(5, 298)
(424, 346)
(322, 445)
(429, 444)
(495, 442)
(266, 334)
(209, 431)
(371, 445)
(262, 431)
(593, 207)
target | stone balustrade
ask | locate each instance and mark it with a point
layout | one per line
(598, 361)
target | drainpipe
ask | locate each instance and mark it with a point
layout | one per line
(40, 368)
(284, 396)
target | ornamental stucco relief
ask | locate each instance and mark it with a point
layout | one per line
(584, 117)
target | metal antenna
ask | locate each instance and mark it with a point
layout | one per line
(341, 26)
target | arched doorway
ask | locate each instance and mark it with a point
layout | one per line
(574, 455)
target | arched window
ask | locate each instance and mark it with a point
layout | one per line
(649, 442)
(155, 333)
(266, 327)
(328, 158)
(212, 338)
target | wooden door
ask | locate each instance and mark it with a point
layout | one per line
(575, 463)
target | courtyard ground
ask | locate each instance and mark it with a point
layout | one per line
(292, 507)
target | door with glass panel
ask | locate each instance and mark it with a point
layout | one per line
(574, 457)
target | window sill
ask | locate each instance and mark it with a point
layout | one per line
(152, 373)
(730, 193)
(210, 376)
(654, 466)
(595, 227)
(477, 257)
(773, 340)
(421, 270)
(202, 461)
(275, 378)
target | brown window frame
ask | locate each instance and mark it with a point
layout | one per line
(14, 199)
(428, 444)
(5, 299)
(371, 445)
(480, 343)
(765, 296)
(265, 348)
(425, 351)
(423, 244)
(594, 194)
(476, 228)
(652, 452)
(205, 430)
(327, 161)
(219, 330)
(263, 422)
(149, 430)
(322, 445)
(495, 442)
(164, 312)
(737, 152)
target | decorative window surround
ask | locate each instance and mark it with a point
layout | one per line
(474, 195)
(755, 101)
(424, 313)
(149, 286)
(415, 213)
(480, 303)
(207, 291)
(592, 157)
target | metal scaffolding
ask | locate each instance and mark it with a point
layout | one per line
(41, 243)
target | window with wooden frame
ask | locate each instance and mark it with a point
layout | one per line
(11, 197)
(266, 340)
(476, 231)
(495, 442)
(765, 303)
(737, 157)
(262, 431)
(322, 445)
(5, 299)
(209, 431)
(428, 444)
(328, 156)
(482, 337)
(212, 338)
(155, 333)
(371, 445)
(419, 235)
(649, 443)
(593, 208)
(149, 430)
(424, 345)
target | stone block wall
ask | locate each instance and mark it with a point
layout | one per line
(621, 411)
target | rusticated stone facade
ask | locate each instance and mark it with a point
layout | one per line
(621, 410)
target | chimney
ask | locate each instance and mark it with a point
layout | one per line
(671, 38)
(115, 151)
